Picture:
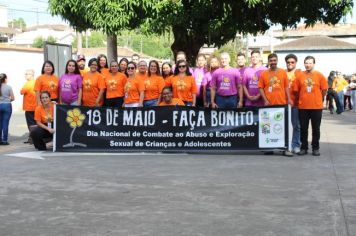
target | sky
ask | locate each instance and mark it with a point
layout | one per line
(35, 11)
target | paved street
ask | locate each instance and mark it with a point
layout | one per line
(45, 193)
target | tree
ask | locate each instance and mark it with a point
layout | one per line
(195, 23)
(108, 16)
(17, 23)
(39, 41)
(215, 22)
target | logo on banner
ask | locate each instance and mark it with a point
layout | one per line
(277, 129)
(278, 116)
(75, 119)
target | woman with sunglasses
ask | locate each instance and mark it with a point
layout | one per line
(154, 83)
(93, 85)
(115, 86)
(6, 97)
(44, 121)
(183, 84)
(47, 81)
(70, 85)
(134, 88)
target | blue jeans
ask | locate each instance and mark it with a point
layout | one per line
(226, 101)
(5, 114)
(353, 100)
(340, 95)
(296, 128)
(150, 103)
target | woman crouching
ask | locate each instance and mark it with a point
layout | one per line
(44, 121)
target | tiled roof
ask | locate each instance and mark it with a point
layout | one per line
(315, 43)
(337, 30)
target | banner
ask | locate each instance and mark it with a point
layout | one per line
(93, 129)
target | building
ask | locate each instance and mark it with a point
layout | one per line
(330, 53)
(63, 34)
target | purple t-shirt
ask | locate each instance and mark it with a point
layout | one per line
(250, 80)
(226, 81)
(199, 76)
(206, 80)
(69, 86)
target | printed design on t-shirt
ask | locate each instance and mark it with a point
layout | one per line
(225, 84)
(67, 83)
(112, 84)
(147, 83)
(52, 85)
(309, 82)
(128, 86)
(274, 82)
(87, 84)
(181, 85)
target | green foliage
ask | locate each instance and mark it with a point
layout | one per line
(232, 47)
(17, 23)
(39, 41)
(95, 40)
(195, 23)
(151, 44)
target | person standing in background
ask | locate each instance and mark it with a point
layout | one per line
(6, 97)
(338, 86)
(310, 88)
(81, 64)
(70, 85)
(198, 75)
(29, 100)
(214, 64)
(47, 81)
(251, 77)
(291, 63)
(225, 87)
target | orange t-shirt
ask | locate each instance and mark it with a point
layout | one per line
(92, 84)
(44, 116)
(133, 87)
(175, 102)
(47, 83)
(105, 72)
(182, 88)
(274, 84)
(153, 87)
(291, 81)
(115, 85)
(29, 96)
(82, 72)
(310, 87)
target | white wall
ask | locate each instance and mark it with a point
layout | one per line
(324, 61)
(14, 64)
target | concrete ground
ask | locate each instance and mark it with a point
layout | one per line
(180, 194)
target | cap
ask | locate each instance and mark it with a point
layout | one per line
(81, 57)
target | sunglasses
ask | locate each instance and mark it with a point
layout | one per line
(130, 68)
(182, 66)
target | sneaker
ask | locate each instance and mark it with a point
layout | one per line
(303, 152)
(316, 153)
(296, 150)
(4, 143)
(288, 153)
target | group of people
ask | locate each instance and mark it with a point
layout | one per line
(341, 92)
(213, 84)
